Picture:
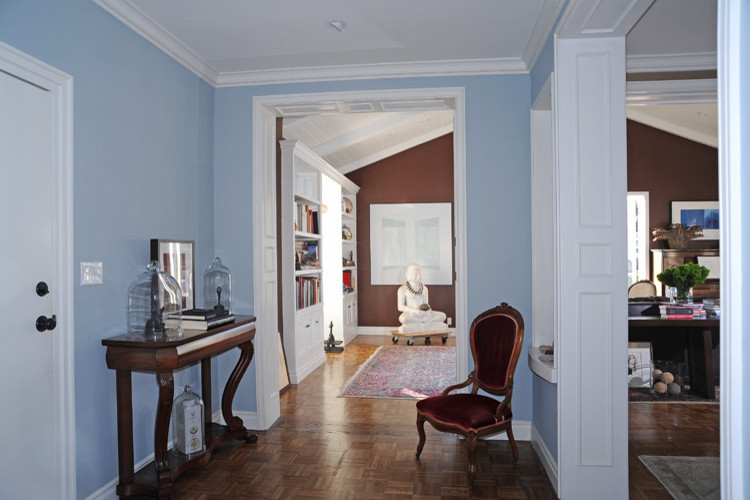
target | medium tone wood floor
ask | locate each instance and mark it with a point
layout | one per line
(671, 429)
(337, 448)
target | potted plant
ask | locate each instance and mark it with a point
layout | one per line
(683, 278)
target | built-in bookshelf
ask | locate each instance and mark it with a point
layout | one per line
(349, 263)
(311, 255)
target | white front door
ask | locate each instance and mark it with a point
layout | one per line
(30, 423)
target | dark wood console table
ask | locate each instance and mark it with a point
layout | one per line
(127, 353)
(700, 359)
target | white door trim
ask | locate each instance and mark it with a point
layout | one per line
(60, 85)
(731, 120)
(266, 379)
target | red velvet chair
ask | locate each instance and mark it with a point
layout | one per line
(496, 339)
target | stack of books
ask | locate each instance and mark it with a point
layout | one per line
(712, 307)
(682, 310)
(202, 319)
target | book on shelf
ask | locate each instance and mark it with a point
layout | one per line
(201, 324)
(306, 219)
(308, 291)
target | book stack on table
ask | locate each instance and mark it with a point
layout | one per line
(203, 319)
(712, 307)
(682, 310)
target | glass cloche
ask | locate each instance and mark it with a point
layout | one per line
(217, 286)
(155, 305)
(187, 423)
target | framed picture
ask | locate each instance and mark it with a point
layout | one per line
(698, 213)
(640, 361)
(177, 257)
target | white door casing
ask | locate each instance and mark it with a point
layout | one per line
(265, 303)
(37, 245)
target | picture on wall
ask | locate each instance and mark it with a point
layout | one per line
(403, 233)
(698, 213)
(177, 258)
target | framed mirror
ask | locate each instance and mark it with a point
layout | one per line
(177, 257)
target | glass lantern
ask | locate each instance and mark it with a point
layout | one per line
(155, 305)
(187, 423)
(217, 287)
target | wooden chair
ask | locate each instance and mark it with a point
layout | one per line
(643, 288)
(496, 338)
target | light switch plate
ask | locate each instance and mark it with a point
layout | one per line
(91, 273)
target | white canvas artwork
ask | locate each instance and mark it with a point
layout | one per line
(402, 233)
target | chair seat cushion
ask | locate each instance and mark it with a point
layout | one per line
(467, 411)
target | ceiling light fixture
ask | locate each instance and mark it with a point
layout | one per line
(335, 24)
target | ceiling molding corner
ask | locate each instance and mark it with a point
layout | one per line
(545, 23)
(598, 19)
(371, 71)
(697, 61)
(142, 24)
(671, 92)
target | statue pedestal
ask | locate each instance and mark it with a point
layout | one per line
(422, 327)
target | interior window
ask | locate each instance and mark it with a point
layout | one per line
(637, 236)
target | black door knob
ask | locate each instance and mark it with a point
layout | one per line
(43, 323)
(42, 289)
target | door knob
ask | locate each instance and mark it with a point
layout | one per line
(42, 289)
(43, 323)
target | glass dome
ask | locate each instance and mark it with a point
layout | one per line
(187, 423)
(217, 286)
(155, 305)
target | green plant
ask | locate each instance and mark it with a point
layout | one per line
(684, 277)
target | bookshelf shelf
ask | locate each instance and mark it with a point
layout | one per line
(299, 235)
(300, 198)
(308, 272)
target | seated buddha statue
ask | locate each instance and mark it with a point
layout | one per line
(414, 306)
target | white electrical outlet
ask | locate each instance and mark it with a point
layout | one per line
(449, 321)
(91, 273)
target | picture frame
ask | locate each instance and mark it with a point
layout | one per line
(640, 363)
(177, 258)
(698, 213)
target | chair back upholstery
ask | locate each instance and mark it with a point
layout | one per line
(496, 340)
(643, 288)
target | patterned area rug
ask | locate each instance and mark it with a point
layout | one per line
(645, 395)
(401, 372)
(686, 478)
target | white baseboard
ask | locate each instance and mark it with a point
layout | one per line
(548, 461)
(313, 360)
(521, 432)
(109, 490)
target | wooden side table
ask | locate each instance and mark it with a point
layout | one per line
(126, 353)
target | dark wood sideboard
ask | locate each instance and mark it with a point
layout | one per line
(668, 257)
(127, 353)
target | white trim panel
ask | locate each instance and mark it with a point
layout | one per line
(521, 432)
(671, 91)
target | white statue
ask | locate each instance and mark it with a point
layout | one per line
(413, 303)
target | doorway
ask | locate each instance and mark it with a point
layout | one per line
(265, 111)
(38, 377)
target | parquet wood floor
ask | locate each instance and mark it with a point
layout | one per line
(345, 448)
(670, 429)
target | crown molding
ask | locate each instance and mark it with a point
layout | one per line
(636, 114)
(697, 61)
(152, 31)
(545, 23)
(671, 92)
(498, 66)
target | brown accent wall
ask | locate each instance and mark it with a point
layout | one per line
(423, 174)
(670, 168)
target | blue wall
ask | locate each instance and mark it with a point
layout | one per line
(545, 394)
(498, 194)
(143, 153)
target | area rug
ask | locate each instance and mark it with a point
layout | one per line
(686, 478)
(645, 395)
(404, 372)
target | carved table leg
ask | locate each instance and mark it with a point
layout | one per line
(161, 434)
(206, 391)
(125, 427)
(230, 389)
